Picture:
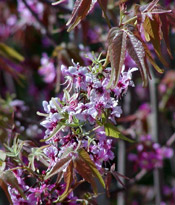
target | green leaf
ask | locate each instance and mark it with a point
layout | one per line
(85, 156)
(152, 33)
(10, 53)
(112, 131)
(2, 160)
(59, 127)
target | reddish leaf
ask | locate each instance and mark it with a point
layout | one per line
(136, 51)
(85, 171)
(117, 50)
(4, 186)
(68, 178)
(86, 158)
(149, 6)
(59, 177)
(59, 166)
(165, 30)
(148, 54)
(153, 8)
(9, 177)
(80, 11)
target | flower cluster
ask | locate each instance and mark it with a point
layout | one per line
(149, 154)
(77, 118)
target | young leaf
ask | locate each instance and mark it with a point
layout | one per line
(86, 158)
(152, 33)
(9, 178)
(68, 178)
(55, 131)
(136, 51)
(148, 54)
(80, 11)
(165, 30)
(112, 131)
(85, 171)
(59, 166)
(4, 186)
(117, 50)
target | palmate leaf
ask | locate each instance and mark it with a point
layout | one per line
(117, 50)
(120, 41)
(80, 11)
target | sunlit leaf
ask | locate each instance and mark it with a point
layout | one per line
(112, 131)
(80, 11)
(58, 2)
(149, 55)
(85, 156)
(55, 131)
(136, 51)
(86, 172)
(152, 29)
